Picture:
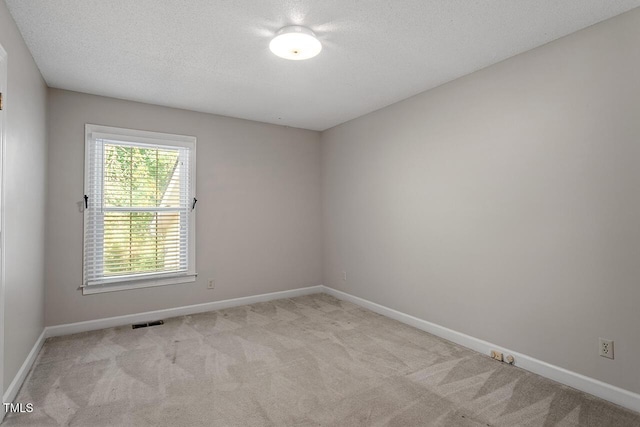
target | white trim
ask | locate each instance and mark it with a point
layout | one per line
(110, 322)
(145, 135)
(140, 284)
(589, 385)
(92, 325)
(157, 139)
(581, 382)
(14, 387)
(142, 142)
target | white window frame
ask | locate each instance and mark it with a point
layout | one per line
(93, 132)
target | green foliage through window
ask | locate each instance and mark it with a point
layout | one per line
(141, 210)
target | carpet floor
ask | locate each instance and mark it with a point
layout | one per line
(306, 361)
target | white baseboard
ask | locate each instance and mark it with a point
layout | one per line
(581, 382)
(110, 322)
(92, 325)
(589, 385)
(14, 387)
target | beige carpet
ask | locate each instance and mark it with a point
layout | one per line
(307, 361)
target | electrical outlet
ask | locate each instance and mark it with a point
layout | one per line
(211, 284)
(496, 355)
(344, 276)
(606, 348)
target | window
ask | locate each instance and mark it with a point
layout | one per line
(139, 217)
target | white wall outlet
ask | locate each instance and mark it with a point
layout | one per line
(606, 348)
(344, 276)
(211, 284)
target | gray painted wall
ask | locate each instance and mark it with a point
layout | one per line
(24, 197)
(258, 224)
(504, 205)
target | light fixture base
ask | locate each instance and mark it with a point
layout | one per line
(296, 43)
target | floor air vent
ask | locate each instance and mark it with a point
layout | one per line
(144, 325)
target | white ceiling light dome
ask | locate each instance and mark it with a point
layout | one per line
(296, 43)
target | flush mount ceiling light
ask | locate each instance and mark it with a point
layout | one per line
(296, 43)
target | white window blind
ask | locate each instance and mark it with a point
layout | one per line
(139, 196)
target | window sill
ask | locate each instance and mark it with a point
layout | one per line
(126, 286)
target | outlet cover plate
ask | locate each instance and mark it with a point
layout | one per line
(606, 348)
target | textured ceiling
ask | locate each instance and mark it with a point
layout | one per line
(213, 56)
